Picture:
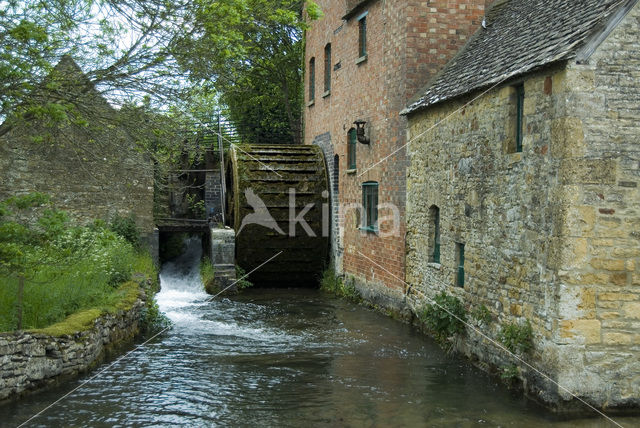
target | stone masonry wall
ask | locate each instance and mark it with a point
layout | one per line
(400, 37)
(92, 170)
(598, 144)
(30, 360)
(504, 207)
(551, 234)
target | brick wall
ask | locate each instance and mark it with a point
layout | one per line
(402, 54)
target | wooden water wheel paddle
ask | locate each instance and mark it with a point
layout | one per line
(268, 187)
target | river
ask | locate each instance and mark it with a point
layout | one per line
(281, 358)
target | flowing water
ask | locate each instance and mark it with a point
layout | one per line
(280, 358)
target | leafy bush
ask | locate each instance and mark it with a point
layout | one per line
(482, 314)
(63, 267)
(446, 317)
(517, 338)
(242, 282)
(126, 228)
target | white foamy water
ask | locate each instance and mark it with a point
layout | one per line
(180, 286)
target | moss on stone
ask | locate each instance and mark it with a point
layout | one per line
(80, 321)
(124, 299)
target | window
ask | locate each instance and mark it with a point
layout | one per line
(460, 264)
(351, 148)
(327, 67)
(312, 79)
(362, 37)
(519, 116)
(336, 174)
(370, 206)
(434, 233)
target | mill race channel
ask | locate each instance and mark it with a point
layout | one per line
(282, 358)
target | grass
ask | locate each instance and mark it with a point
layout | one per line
(80, 293)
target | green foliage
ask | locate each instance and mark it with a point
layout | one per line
(254, 49)
(152, 321)
(333, 284)
(482, 314)
(509, 373)
(241, 281)
(207, 273)
(517, 338)
(64, 267)
(196, 206)
(126, 227)
(446, 316)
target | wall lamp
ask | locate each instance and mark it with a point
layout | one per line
(359, 123)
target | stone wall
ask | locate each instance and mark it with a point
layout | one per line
(92, 170)
(599, 270)
(406, 42)
(30, 360)
(551, 234)
(504, 207)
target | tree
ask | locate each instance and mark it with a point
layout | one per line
(250, 51)
(123, 46)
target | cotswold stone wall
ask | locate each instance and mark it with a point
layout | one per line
(552, 234)
(30, 360)
(504, 207)
(92, 170)
(598, 143)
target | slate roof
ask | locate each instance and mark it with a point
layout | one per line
(520, 36)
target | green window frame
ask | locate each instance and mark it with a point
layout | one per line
(370, 206)
(362, 36)
(312, 79)
(435, 218)
(352, 140)
(327, 67)
(519, 116)
(460, 264)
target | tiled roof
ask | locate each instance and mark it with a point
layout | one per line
(519, 36)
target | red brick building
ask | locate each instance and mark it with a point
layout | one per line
(364, 60)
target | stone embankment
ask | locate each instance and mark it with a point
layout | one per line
(33, 359)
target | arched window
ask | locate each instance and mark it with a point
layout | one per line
(434, 234)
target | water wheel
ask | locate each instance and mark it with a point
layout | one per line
(267, 188)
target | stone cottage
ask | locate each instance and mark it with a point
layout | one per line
(364, 59)
(88, 164)
(523, 192)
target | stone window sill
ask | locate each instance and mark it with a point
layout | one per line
(362, 59)
(351, 171)
(514, 158)
(310, 103)
(326, 93)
